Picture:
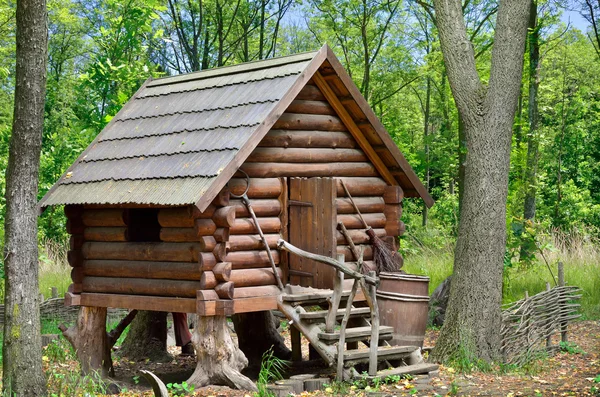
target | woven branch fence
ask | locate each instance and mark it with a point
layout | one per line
(529, 324)
(54, 310)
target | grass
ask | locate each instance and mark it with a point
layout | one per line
(581, 260)
(54, 268)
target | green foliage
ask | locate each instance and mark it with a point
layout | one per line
(595, 390)
(571, 348)
(71, 383)
(271, 369)
(59, 351)
(180, 389)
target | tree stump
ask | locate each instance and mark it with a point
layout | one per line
(147, 338)
(256, 334)
(90, 340)
(219, 359)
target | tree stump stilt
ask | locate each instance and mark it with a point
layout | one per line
(219, 359)
(257, 333)
(88, 337)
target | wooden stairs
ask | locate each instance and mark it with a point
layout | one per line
(325, 328)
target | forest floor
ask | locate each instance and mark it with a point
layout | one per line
(571, 372)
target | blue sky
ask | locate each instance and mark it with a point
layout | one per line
(576, 20)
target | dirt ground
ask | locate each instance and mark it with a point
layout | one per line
(564, 374)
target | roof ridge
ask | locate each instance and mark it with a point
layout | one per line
(233, 69)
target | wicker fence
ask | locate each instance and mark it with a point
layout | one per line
(54, 310)
(529, 324)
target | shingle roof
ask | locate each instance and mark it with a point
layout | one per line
(180, 139)
(174, 137)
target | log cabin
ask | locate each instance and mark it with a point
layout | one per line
(153, 205)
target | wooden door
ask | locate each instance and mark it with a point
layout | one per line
(312, 227)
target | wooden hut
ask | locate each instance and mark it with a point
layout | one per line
(150, 203)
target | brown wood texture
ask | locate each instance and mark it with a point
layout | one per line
(207, 243)
(246, 226)
(361, 187)
(160, 252)
(241, 278)
(348, 255)
(221, 272)
(305, 155)
(248, 242)
(220, 251)
(259, 187)
(220, 200)
(105, 234)
(104, 217)
(351, 221)
(310, 92)
(182, 216)
(308, 138)
(140, 302)
(142, 269)
(141, 286)
(350, 124)
(308, 170)
(284, 233)
(240, 305)
(244, 292)
(393, 195)
(365, 205)
(178, 234)
(207, 261)
(261, 207)
(75, 258)
(224, 216)
(74, 226)
(299, 121)
(359, 236)
(393, 226)
(310, 107)
(313, 229)
(75, 242)
(251, 259)
(225, 290)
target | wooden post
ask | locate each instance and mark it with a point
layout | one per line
(342, 340)
(296, 339)
(334, 301)
(374, 328)
(549, 337)
(561, 283)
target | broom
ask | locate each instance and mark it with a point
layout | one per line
(386, 260)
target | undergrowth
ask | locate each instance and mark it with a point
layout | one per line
(271, 370)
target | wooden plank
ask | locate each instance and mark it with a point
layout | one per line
(334, 302)
(284, 233)
(72, 299)
(139, 302)
(309, 170)
(365, 205)
(353, 128)
(305, 155)
(310, 107)
(141, 286)
(355, 332)
(160, 252)
(142, 269)
(322, 314)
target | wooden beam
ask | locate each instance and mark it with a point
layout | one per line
(140, 302)
(353, 128)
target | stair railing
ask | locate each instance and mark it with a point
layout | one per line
(368, 284)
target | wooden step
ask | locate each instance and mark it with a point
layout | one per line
(356, 333)
(319, 316)
(415, 369)
(353, 357)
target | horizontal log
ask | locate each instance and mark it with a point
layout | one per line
(308, 170)
(376, 220)
(141, 286)
(221, 235)
(183, 216)
(207, 261)
(73, 211)
(305, 155)
(308, 139)
(298, 121)
(393, 195)
(207, 243)
(221, 272)
(310, 92)
(251, 259)
(259, 187)
(222, 198)
(252, 242)
(358, 236)
(105, 217)
(247, 226)
(225, 290)
(140, 302)
(224, 216)
(362, 187)
(75, 242)
(244, 292)
(159, 252)
(242, 278)
(395, 229)
(178, 234)
(310, 107)
(261, 207)
(364, 204)
(105, 234)
(75, 258)
(142, 269)
(77, 274)
(349, 257)
(220, 251)
(74, 226)
(204, 227)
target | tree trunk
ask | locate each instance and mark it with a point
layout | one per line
(22, 351)
(147, 338)
(487, 113)
(219, 359)
(426, 143)
(90, 340)
(256, 333)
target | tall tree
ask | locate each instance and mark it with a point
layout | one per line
(22, 361)
(590, 9)
(486, 113)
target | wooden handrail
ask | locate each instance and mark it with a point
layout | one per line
(284, 245)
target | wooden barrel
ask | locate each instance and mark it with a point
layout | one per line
(404, 304)
(409, 284)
